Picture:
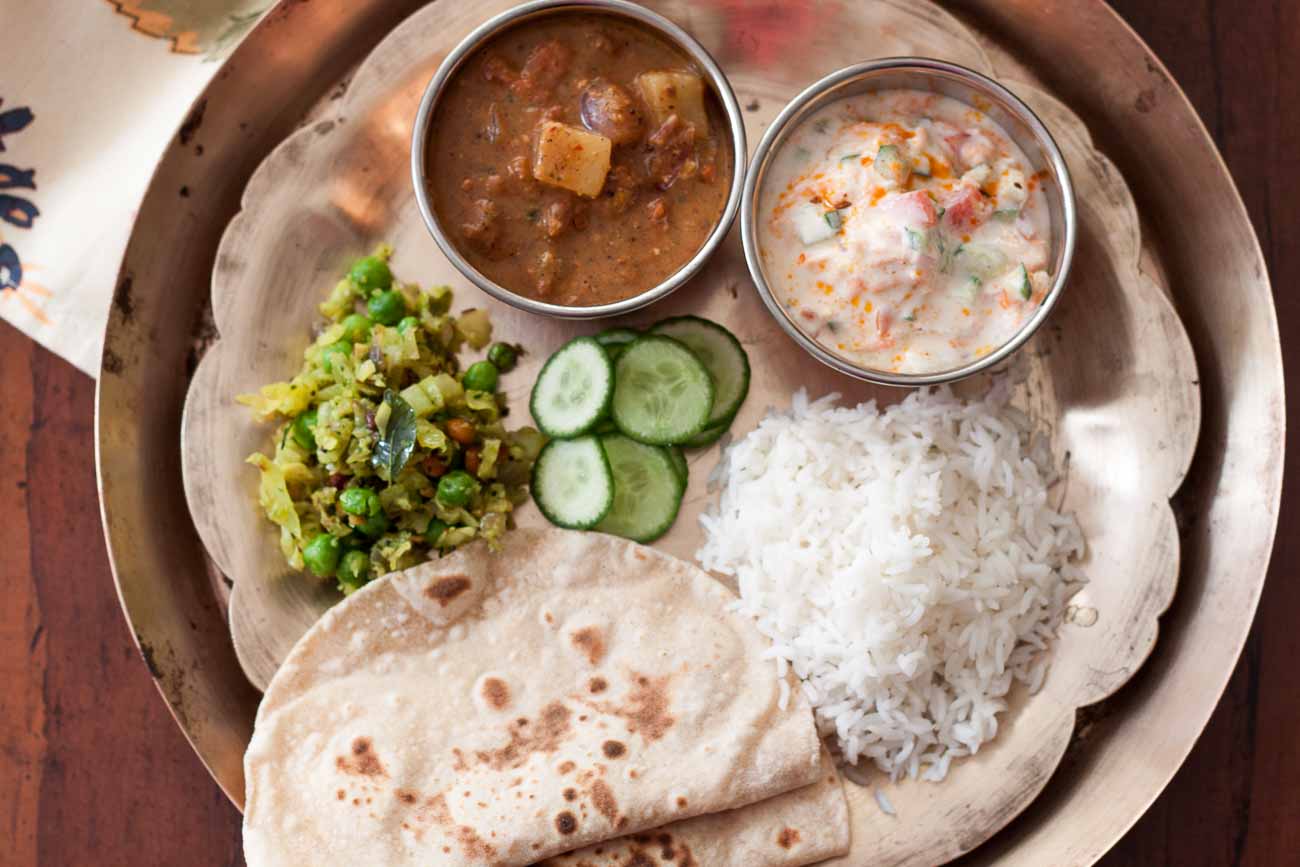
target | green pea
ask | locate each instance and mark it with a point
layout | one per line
(356, 328)
(503, 355)
(407, 324)
(456, 488)
(481, 376)
(303, 430)
(321, 555)
(341, 348)
(434, 532)
(354, 570)
(387, 308)
(371, 273)
(375, 525)
(360, 501)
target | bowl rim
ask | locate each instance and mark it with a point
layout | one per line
(781, 125)
(721, 86)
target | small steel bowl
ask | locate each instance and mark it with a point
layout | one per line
(964, 85)
(513, 17)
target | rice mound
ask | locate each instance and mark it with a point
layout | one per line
(905, 563)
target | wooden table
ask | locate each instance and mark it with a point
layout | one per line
(94, 771)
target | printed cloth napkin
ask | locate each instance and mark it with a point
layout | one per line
(90, 93)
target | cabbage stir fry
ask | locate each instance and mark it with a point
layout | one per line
(386, 451)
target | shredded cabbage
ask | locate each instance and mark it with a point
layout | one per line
(273, 494)
(333, 413)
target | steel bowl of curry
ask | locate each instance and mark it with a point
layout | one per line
(578, 159)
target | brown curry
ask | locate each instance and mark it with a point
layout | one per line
(580, 159)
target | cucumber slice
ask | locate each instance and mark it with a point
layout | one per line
(708, 436)
(889, 164)
(984, 261)
(615, 340)
(572, 483)
(616, 336)
(722, 356)
(574, 389)
(647, 489)
(662, 393)
(811, 224)
(678, 459)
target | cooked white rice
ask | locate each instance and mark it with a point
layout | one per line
(905, 563)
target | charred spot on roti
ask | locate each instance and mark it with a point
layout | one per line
(565, 767)
(496, 693)
(363, 760)
(613, 749)
(597, 685)
(342, 794)
(552, 729)
(590, 642)
(555, 720)
(566, 823)
(435, 812)
(787, 838)
(602, 797)
(473, 845)
(666, 850)
(681, 803)
(645, 709)
(407, 797)
(638, 858)
(445, 590)
(570, 794)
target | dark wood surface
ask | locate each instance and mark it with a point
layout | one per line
(94, 771)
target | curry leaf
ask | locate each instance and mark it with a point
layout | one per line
(398, 441)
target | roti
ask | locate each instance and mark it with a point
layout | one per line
(805, 826)
(502, 708)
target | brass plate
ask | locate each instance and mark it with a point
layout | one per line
(1121, 385)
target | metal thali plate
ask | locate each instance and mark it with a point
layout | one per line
(300, 64)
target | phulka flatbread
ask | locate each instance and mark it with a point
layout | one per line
(800, 827)
(500, 709)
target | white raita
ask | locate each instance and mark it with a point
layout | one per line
(905, 562)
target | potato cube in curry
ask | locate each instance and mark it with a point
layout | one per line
(669, 92)
(572, 158)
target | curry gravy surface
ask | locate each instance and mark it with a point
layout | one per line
(666, 186)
